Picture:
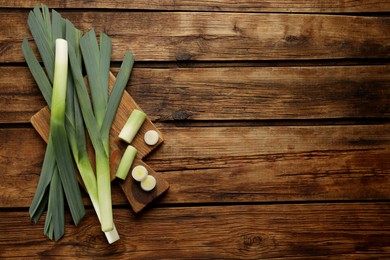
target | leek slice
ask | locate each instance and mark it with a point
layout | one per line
(151, 137)
(139, 173)
(148, 183)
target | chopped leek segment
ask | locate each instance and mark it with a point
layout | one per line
(126, 162)
(132, 126)
(149, 183)
(139, 173)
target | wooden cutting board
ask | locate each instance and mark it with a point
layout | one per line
(137, 198)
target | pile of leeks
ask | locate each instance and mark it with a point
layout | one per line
(64, 50)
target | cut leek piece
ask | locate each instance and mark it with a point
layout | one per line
(149, 183)
(139, 173)
(126, 162)
(132, 126)
(151, 137)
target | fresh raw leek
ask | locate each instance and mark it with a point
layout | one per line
(58, 133)
(78, 145)
(68, 115)
(61, 28)
(40, 27)
(99, 123)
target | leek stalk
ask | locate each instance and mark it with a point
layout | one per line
(68, 127)
(41, 30)
(99, 123)
(58, 133)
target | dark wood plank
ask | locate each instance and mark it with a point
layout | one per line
(312, 176)
(253, 93)
(187, 147)
(313, 231)
(219, 36)
(236, 164)
(314, 6)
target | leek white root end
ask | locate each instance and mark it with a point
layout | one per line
(113, 235)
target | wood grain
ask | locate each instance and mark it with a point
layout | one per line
(236, 164)
(314, 231)
(137, 198)
(245, 183)
(219, 36)
(314, 6)
(253, 93)
(187, 147)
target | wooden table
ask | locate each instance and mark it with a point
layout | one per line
(276, 123)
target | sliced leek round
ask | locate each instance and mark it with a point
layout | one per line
(149, 183)
(151, 137)
(139, 173)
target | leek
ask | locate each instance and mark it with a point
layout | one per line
(58, 133)
(148, 183)
(78, 142)
(126, 162)
(71, 128)
(50, 33)
(151, 137)
(139, 173)
(99, 123)
(132, 125)
(41, 30)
